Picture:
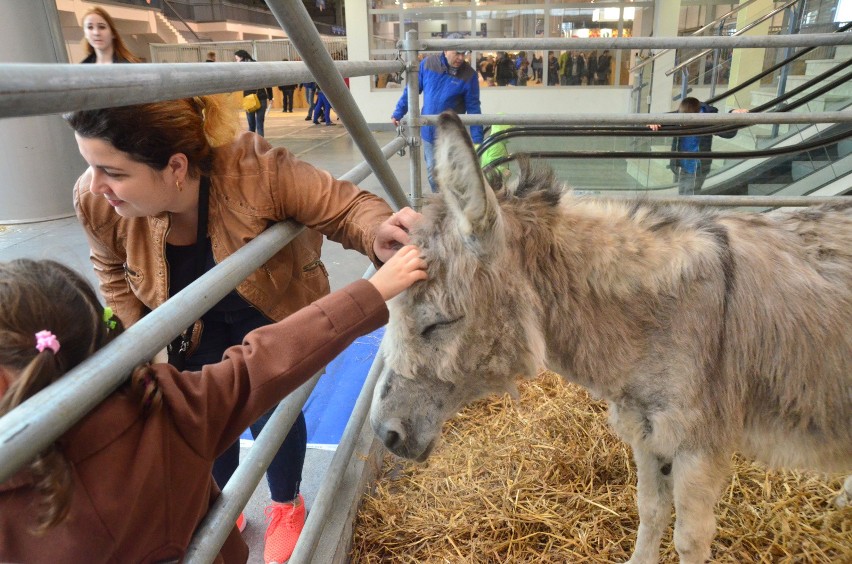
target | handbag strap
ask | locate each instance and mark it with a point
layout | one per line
(201, 232)
(200, 250)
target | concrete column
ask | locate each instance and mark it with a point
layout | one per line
(39, 161)
(746, 63)
(666, 20)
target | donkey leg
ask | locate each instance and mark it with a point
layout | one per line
(655, 504)
(698, 481)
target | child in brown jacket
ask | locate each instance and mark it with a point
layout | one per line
(131, 481)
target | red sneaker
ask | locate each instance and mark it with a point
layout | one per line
(241, 522)
(285, 524)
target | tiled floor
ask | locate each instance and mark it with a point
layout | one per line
(329, 148)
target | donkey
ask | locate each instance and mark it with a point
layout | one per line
(706, 331)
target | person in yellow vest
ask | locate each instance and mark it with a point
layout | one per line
(497, 175)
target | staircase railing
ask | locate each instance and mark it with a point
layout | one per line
(167, 4)
(697, 32)
(739, 32)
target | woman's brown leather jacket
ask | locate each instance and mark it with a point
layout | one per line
(252, 186)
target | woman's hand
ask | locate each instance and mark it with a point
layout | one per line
(401, 270)
(393, 233)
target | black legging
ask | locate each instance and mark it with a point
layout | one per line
(288, 100)
(285, 471)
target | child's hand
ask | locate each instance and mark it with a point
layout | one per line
(402, 270)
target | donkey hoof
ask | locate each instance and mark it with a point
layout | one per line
(845, 497)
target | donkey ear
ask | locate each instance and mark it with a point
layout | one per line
(468, 196)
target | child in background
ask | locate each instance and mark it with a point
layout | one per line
(689, 174)
(151, 444)
(322, 109)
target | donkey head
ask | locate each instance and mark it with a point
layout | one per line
(469, 329)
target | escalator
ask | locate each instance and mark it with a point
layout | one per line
(792, 160)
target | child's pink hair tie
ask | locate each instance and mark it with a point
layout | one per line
(47, 340)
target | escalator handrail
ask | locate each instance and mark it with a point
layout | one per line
(811, 95)
(769, 152)
(770, 70)
(674, 130)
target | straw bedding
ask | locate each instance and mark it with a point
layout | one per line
(546, 480)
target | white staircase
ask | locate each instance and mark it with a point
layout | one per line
(813, 67)
(167, 30)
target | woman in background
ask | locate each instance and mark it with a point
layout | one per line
(255, 119)
(103, 43)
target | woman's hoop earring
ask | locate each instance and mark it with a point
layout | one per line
(179, 187)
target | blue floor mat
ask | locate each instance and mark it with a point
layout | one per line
(330, 404)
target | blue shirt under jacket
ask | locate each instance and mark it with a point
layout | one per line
(444, 91)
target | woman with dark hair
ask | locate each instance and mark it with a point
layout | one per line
(102, 41)
(256, 118)
(170, 193)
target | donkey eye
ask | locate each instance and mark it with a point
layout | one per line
(431, 328)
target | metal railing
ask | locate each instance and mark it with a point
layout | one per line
(264, 50)
(44, 89)
(177, 15)
(611, 43)
(214, 529)
(220, 11)
(738, 33)
(37, 89)
(697, 32)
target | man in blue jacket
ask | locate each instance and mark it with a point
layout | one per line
(447, 82)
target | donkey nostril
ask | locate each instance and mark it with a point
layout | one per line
(392, 439)
(393, 435)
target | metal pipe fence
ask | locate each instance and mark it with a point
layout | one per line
(294, 19)
(600, 43)
(331, 484)
(27, 89)
(648, 119)
(38, 89)
(214, 529)
(40, 420)
(412, 77)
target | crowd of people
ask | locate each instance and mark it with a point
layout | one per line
(569, 68)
